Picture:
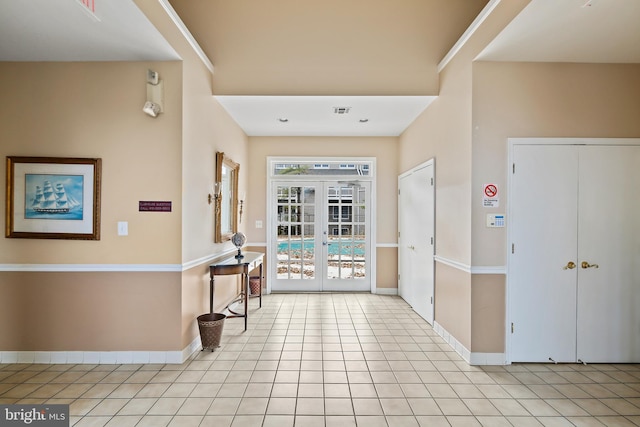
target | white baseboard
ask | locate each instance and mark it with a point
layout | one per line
(466, 354)
(194, 346)
(101, 357)
(480, 269)
(453, 342)
(488, 359)
(387, 291)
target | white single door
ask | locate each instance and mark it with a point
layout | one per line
(543, 264)
(322, 236)
(416, 215)
(609, 245)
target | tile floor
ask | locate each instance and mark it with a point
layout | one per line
(325, 360)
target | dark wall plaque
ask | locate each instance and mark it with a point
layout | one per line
(147, 206)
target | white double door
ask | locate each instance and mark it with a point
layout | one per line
(320, 236)
(574, 268)
(416, 225)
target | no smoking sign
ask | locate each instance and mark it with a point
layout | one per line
(490, 198)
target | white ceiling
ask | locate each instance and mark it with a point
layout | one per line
(588, 31)
(63, 30)
(546, 30)
(316, 116)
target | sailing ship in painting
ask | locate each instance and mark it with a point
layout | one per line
(54, 197)
(53, 200)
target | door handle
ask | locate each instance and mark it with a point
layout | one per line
(570, 266)
(585, 264)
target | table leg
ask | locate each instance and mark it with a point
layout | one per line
(261, 279)
(211, 289)
(245, 279)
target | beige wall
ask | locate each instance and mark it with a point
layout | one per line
(95, 110)
(206, 129)
(506, 100)
(58, 311)
(487, 313)
(383, 149)
(444, 132)
(387, 268)
(533, 100)
(466, 129)
(541, 100)
(453, 302)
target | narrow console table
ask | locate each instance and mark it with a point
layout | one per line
(243, 266)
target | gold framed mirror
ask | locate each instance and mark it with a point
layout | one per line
(226, 197)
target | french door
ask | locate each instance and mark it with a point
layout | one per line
(321, 234)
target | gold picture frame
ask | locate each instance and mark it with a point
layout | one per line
(226, 197)
(53, 198)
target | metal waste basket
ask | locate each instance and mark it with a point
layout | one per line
(210, 326)
(254, 285)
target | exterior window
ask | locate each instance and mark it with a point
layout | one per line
(321, 169)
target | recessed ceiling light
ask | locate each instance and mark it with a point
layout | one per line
(283, 120)
(364, 120)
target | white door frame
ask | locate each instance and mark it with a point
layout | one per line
(271, 221)
(511, 143)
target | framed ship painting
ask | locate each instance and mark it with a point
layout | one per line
(53, 198)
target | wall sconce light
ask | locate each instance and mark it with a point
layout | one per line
(155, 89)
(217, 194)
(241, 207)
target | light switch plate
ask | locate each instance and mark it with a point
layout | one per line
(123, 228)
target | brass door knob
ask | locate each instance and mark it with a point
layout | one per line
(585, 264)
(570, 266)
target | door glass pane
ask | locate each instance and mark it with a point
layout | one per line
(296, 243)
(295, 269)
(309, 214)
(309, 195)
(345, 232)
